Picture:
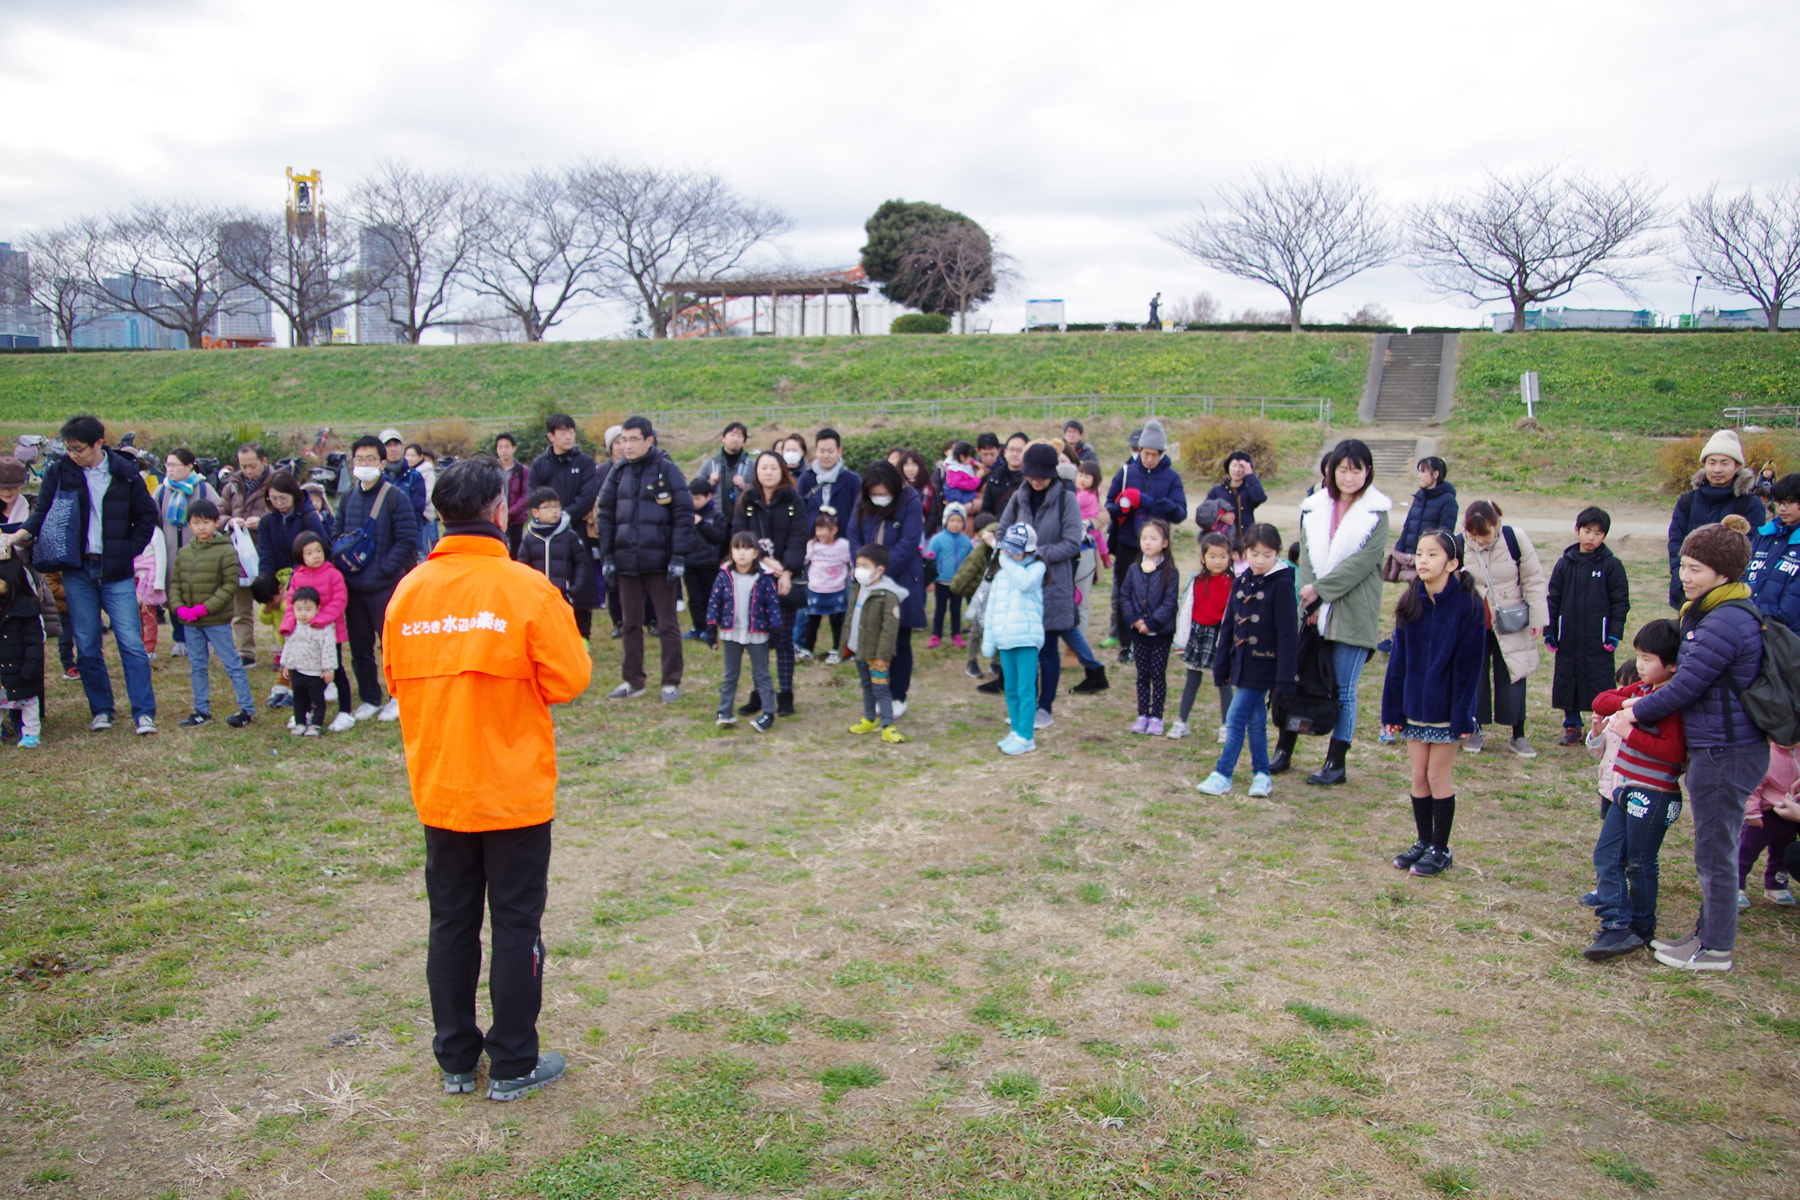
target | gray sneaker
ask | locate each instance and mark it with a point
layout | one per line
(625, 692)
(456, 1083)
(670, 694)
(1682, 946)
(1473, 744)
(1701, 959)
(101, 722)
(1043, 720)
(1522, 748)
(549, 1069)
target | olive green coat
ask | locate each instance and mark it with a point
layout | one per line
(206, 573)
(1345, 567)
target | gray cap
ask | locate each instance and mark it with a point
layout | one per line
(1153, 437)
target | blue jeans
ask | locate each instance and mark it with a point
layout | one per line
(1348, 662)
(216, 638)
(88, 598)
(1050, 662)
(1248, 715)
(1021, 689)
(1625, 857)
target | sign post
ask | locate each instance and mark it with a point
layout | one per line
(1528, 391)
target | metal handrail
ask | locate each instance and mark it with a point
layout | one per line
(1745, 415)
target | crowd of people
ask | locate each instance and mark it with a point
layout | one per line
(1003, 537)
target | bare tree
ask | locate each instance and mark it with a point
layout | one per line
(1370, 313)
(952, 269)
(1202, 309)
(1299, 232)
(652, 226)
(487, 323)
(423, 228)
(166, 265)
(1748, 248)
(1533, 236)
(536, 255)
(54, 274)
(308, 272)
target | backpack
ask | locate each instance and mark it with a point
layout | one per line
(353, 550)
(1773, 697)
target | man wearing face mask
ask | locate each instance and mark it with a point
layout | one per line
(372, 564)
(828, 484)
(646, 519)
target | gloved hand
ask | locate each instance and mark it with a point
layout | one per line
(1609, 647)
(1130, 499)
(191, 613)
(1550, 645)
(608, 569)
(676, 570)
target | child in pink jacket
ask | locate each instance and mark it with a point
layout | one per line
(1770, 824)
(313, 569)
(1087, 495)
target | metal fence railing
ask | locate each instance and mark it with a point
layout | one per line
(819, 412)
(1769, 414)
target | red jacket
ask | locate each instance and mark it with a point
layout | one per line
(334, 597)
(1211, 593)
(1652, 754)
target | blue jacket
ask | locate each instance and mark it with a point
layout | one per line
(765, 602)
(276, 532)
(840, 497)
(948, 550)
(1727, 638)
(1150, 597)
(1432, 508)
(1774, 576)
(1161, 494)
(1434, 672)
(396, 532)
(901, 533)
(1704, 504)
(1259, 640)
(1014, 616)
(128, 516)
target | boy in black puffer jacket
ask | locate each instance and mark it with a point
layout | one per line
(710, 535)
(551, 546)
(21, 650)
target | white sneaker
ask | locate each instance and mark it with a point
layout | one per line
(178, 650)
(1043, 720)
(1019, 746)
(146, 725)
(342, 723)
(899, 709)
(801, 654)
(391, 710)
(365, 712)
(331, 693)
(294, 725)
(1261, 785)
(1177, 730)
(101, 722)
(1215, 784)
(833, 659)
(1224, 732)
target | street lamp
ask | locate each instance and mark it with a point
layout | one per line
(1694, 317)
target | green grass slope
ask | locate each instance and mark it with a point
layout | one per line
(1626, 383)
(340, 384)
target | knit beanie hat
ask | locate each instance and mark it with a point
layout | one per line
(1040, 462)
(1724, 550)
(612, 434)
(1021, 539)
(1735, 522)
(1724, 442)
(955, 509)
(1153, 437)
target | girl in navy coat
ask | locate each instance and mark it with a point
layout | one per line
(1433, 677)
(1259, 653)
(1147, 601)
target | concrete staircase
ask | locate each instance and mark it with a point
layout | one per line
(1411, 380)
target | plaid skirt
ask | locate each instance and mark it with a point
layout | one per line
(1202, 647)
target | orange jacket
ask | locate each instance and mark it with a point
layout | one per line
(476, 649)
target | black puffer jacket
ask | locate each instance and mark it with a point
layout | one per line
(574, 478)
(21, 635)
(563, 559)
(128, 516)
(646, 515)
(711, 537)
(276, 532)
(781, 522)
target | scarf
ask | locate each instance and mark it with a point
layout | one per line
(827, 478)
(178, 508)
(1714, 598)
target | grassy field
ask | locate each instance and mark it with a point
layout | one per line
(346, 385)
(1625, 383)
(806, 965)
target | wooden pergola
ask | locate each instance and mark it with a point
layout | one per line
(702, 319)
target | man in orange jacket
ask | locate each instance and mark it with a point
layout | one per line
(476, 649)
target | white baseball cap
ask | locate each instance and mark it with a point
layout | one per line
(391, 435)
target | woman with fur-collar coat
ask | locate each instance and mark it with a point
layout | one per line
(1343, 538)
(1720, 487)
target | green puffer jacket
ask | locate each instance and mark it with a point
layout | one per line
(206, 573)
(1344, 566)
(967, 580)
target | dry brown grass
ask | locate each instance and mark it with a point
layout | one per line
(1678, 460)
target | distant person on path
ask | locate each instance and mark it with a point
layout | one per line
(1721, 486)
(646, 521)
(1774, 576)
(1588, 600)
(478, 649)
(376, 540)
(243, 502)
(1155, 312)
(108, 526)
(1146, 486)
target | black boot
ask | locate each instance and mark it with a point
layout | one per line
(1333, 770)
(754, 705)
(784, 704)
(1095, 682)
(996, 684)
(1284, 752)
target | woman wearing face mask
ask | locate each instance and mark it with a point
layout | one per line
(770, 511)
(889, 514)
(793, 453)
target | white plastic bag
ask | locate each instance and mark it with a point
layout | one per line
(249, 562)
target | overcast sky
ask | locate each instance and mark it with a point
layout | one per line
(1073, 131)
